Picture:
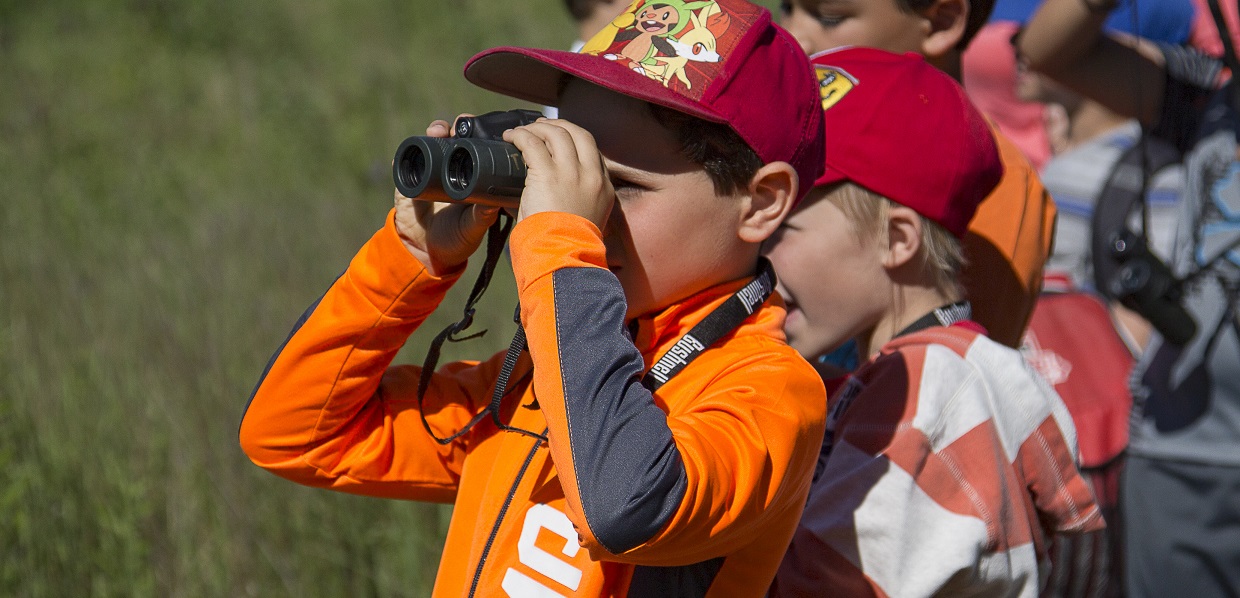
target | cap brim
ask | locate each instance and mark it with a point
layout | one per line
(830, 176)
(534, 75)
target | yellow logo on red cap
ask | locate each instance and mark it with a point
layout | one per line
(833, 84)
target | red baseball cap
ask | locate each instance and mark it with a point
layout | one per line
(722, 61)
(905, 130)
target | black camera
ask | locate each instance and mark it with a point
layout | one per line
(1144, 284)
(474, 166)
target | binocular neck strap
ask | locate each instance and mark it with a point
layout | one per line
(497, 235)
(719, 323)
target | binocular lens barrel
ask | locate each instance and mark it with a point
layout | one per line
(486, 172)
(417, 167)
(474, 167)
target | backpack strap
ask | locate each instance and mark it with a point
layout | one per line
(1121, 197)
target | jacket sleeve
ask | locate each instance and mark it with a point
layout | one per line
(1192, 80)
(329, 412)
(643, 487)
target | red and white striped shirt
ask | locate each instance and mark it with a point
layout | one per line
(948, 461)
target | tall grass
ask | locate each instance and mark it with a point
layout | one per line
(178, 180)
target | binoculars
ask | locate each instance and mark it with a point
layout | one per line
(474, 166)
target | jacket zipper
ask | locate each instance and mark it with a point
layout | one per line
(486, 550)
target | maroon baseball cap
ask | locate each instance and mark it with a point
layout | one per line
(723, 61)
(905, 130)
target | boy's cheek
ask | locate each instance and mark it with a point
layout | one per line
(618, 239)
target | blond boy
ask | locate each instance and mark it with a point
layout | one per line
(947, 462)
(1010, 235)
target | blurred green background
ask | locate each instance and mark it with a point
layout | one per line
(179, 180)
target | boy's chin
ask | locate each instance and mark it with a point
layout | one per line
(798, 335)
(812, 347)
(807, 349)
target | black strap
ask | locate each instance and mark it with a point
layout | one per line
(497, 235)
(720, 322)
(515, 349)
(945, 315)
(1121, 196)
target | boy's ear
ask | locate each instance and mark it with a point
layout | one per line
(771, 193)
(947, 20)
(904, 228)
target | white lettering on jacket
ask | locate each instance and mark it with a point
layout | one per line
(541, 517)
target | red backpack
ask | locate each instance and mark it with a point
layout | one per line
(1072, 342)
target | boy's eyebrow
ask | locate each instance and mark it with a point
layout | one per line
(615, 170)
(645, 167)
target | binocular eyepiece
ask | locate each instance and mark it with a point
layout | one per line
(475, 166)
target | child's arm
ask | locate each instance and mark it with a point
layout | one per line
(1064, 40)
(330, 413)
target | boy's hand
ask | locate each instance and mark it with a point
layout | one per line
(566, 172)
(441, 235)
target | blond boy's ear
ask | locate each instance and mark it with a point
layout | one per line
(771, 193)
(946, 20)
(904, 229)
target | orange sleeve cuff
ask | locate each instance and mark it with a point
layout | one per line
(394, 281)
(549, 241)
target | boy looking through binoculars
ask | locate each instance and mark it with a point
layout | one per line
(636, 250)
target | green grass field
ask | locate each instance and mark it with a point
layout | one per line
(179, 181)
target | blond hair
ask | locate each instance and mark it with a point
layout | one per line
(941, 255)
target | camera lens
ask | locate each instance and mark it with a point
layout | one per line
(1131, 279)
(460, 169)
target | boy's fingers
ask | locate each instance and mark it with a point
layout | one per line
(483, 216)
(533, 148)
(557, 138)
(570, 148)
(583, 141)
(474, 220)
(589, 167)
(438, 128)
